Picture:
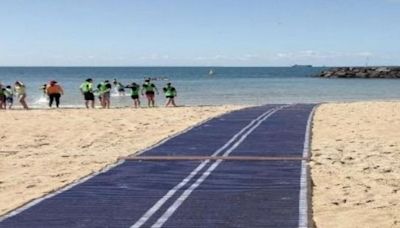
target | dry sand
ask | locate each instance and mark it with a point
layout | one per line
(355, 154)
(44, 150)
(356, 165)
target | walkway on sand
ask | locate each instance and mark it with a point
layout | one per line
(247, 168)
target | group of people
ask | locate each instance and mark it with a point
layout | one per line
(8, 92)
(103, 92)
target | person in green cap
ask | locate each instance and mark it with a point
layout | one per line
(135, 89)
(170, 94)
(87, 92)
(150, 90)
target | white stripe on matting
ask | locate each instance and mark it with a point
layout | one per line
(162, 201)
(304, 178)
(73, 184)
(178, 202)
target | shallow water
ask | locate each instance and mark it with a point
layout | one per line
(228, 85)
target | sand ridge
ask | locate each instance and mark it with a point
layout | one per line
(44, 150)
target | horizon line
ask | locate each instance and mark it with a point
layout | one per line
(202, 66)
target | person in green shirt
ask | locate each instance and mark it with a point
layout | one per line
(135, 89)
(170, 94)
(105, 93)
(150, 89)
(87, 92)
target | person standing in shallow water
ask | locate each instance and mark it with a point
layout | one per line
(3, 104)
(87, 92)
(170, 94)
(135, 89)
(119, 87)
(54, 91)
(150, 89)
(20, 90)
(9, 96)
(105, 93)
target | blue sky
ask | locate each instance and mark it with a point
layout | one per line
(199, 32)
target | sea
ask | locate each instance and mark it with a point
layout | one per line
(198, 86)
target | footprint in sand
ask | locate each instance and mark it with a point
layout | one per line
(349, 158)
(387, 170)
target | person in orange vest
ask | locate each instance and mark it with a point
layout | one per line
(54, 91)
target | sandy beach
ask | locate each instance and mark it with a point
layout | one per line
(44, 150)
(355, 154)
(356, 165)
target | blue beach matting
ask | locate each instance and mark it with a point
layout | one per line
(200, 178)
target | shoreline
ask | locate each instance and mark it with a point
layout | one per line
(78, 107)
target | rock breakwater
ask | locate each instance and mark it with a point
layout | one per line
(361, 72)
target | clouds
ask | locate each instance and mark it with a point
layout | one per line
(310, 54)
(221, 57)
(262, 58)
(286, 58)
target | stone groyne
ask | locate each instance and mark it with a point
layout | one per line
(361, 72)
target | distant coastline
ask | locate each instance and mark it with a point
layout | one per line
(296, 65)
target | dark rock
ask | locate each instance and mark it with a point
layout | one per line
(361, 72)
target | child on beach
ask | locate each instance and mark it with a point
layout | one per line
(86, 89)
(9, 96)
(54, 91)
(170, 94)
(20, 90)
(149, 88)
(135, 88)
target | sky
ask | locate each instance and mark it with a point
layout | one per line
(199, 32)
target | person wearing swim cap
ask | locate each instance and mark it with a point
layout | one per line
(150, 89)
(86, 89)
(135, 89)
(170, 94)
